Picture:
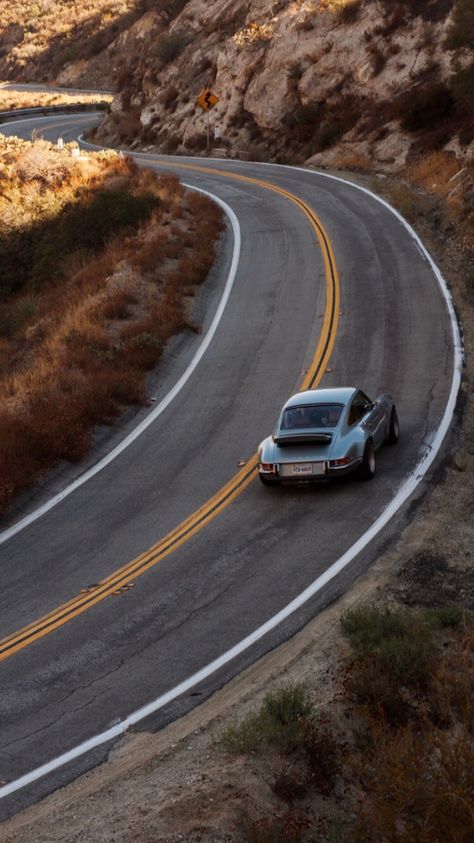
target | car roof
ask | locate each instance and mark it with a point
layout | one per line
(335, 395)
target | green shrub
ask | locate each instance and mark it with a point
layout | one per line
(281, 721)
(409, 659)
(26, 308)
(145, 340)
(170, 145)
(451, 616)
(367, 627)
(393, 647)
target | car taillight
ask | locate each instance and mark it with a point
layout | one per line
(266, 466)
(343, 461)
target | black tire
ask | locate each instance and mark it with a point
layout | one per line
(267, 481)
(367, 466)
(394, 429)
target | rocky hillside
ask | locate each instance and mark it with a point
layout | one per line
(344, 82)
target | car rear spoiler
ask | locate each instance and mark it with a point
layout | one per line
(302, 438)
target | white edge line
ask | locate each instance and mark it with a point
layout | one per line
(52, 502)
(404, 492)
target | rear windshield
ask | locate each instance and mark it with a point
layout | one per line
(311, 416)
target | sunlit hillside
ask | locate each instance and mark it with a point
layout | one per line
(38, 39)
(12, 100)
(100, 262)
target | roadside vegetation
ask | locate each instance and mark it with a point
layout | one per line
(99, 262)
(10, 100)
(38, 39)
(436, 194)
(392, 758)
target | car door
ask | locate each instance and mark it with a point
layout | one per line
(372, 415)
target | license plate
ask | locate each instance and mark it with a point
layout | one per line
(304, 468)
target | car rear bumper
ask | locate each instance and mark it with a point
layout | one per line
(329, 472)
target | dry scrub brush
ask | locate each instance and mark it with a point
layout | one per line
(414, 754)
(43, 36)
(109, 255)
(35, 99)
(392, 759)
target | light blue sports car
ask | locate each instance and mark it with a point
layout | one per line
(323, 433)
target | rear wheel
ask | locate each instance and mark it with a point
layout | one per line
(367, 466)
(394, 429)
(267, 481)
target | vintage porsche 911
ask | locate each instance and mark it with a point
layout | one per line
(324, 433)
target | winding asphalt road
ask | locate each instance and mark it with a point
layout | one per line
(394, 334)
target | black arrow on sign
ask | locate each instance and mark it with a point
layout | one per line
(207, 100)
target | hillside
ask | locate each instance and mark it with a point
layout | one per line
(336, 82)
(37, 40)
(339, 82)
(100, 262)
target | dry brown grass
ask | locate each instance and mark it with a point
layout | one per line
(352, 774)
(43, 36)
(10, 100)
(416, 776)
(76, 352)
(448, 182)
(347, 159)
(419, 786)
(434, 172)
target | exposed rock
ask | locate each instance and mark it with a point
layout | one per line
(300, 78)
(297, 77)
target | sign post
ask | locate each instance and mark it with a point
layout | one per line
(207, 100)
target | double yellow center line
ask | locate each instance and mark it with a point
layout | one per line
(121, 578)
